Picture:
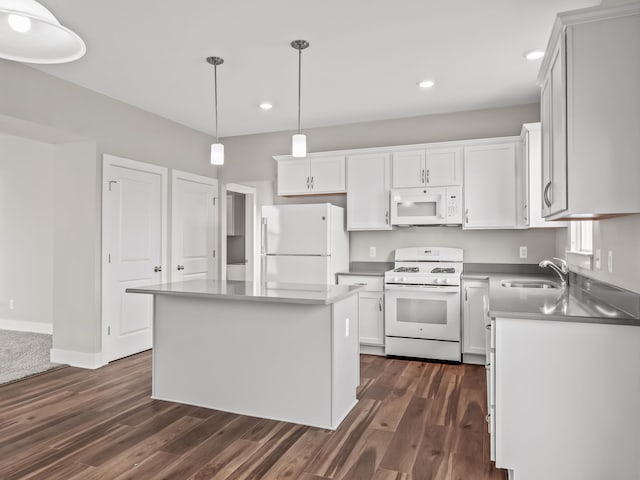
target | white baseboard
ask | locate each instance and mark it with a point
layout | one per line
(24, 326)
(77, 359)
(372, 350)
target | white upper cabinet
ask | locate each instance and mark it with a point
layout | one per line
(444, 166)
(434, 167)
(490, 193)
(368, 181)
(409, 169)
(531, 202)
(590, 114)
(311, 175)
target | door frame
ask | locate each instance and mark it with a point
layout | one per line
(113, 160)
(192, 177)
(252, 220)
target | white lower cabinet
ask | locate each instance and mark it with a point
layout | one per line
(566, 399)
(473, 323)
(370, 308)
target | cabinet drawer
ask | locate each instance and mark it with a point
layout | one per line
(371, 284)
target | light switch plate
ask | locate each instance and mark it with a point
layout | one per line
(598, 258)
(372, 251)
(523, 252)
(610, 261)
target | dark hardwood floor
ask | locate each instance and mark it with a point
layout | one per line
(414, 420)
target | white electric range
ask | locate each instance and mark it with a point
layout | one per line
(422, 303)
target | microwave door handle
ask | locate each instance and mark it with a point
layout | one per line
(442, 206)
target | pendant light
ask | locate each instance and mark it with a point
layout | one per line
(299, 141)
(30, 33)
(217, 149)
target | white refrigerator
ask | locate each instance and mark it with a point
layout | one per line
(304, 243)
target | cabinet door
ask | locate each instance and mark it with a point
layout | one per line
(444, 167)
(368, 192)
(473, 325)
(490, 186)
(327, 174)
(554, 135)
(409, 169)
(371, 311)
(293, 176)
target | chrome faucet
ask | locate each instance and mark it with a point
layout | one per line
(562, 270)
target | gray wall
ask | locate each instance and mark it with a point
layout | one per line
(26, 231)
(620, 235)
(39, 105)
(249, 159)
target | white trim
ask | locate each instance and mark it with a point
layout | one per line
(192, 177)
(25, 326)
(583, 260)
(77, 359)
(417, 146)
(143, 167)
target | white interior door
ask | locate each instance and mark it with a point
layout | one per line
(133, 251)
(193, 227)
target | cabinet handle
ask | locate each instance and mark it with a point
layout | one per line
(466, 216)
(311, 183)
(380, 304)
(180, 267)
(157, 269)
(427, 175)
(386, 217)
(361, 283)
(422, 176)
(545, 194)
(466, 295)
(488, 327)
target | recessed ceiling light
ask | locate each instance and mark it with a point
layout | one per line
(266, 106)
(426, 83)
(534, 54)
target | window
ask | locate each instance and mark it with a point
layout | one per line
(581, 237)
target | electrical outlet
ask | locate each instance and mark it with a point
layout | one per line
(597, 258)
(12, 304)
(523, 252)
(610, 261)
(372, 251)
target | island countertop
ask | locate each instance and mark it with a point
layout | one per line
(310, 294)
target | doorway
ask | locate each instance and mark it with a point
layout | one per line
(240, 252)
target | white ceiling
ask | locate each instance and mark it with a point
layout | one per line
(363, 63)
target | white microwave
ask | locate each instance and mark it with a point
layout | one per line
(426, 206)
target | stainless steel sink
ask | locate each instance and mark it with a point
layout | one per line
(529, 284)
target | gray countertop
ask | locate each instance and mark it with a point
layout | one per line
(372, 269)
(311, 294)
(572, 304)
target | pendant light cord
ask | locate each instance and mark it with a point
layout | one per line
(299, 85)
(215, 97)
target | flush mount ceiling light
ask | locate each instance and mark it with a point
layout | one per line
(266, 106)
(217, 149)
(426, 83)
(533, 54)
(299, 141)
(30, 33)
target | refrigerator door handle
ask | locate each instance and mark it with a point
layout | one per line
(263, 235)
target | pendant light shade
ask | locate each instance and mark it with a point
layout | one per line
(299, 141)
(30, 33)
(217, 149)
(299, 145)
(217, 154)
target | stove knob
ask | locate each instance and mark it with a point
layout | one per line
(403, 279)
(445, 281)
(437, 280)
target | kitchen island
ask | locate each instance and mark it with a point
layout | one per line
(279, 351)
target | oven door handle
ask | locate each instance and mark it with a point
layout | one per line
(421, 288)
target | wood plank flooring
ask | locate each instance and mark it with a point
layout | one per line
(415, 420)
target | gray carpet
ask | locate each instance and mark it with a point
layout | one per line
(23, 354)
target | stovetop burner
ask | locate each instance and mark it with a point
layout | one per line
(443, 270)
(407, 269)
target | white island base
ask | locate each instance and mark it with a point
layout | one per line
(295, 362)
